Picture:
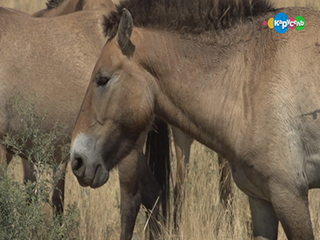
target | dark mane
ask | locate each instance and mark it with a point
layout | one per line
(53, 3)
(190, 16)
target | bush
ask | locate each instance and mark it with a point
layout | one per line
(23, 212)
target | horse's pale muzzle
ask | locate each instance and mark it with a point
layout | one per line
(88, 169)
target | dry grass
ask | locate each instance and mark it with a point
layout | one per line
(203, 217)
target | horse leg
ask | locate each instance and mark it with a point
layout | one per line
(130, 198)
(28, 171)
(291, 205)
(5, 155)
(182, 144)
(225, 191)
(58, 191)
(264, 220)
(59, 183)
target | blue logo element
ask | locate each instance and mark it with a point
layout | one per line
(281, 22)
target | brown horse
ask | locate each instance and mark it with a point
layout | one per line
(36, 66)
(182, 141)
(239, 87)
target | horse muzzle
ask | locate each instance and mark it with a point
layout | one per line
(86, 166)
(89, 176)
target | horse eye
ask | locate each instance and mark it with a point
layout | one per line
(102, 81)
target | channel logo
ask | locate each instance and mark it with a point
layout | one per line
(281, 23)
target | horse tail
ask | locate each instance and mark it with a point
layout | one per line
(158, 157)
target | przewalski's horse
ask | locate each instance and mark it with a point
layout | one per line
(182, 141)
(37, 53)
(39, 68)
(239, 87)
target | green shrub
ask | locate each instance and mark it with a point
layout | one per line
(23, 212)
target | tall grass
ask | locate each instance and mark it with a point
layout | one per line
(202, 218)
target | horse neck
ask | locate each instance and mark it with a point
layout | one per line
(203, 83)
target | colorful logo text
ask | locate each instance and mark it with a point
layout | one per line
(281, 23)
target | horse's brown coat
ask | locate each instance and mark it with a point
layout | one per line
(37, 57)
(247, 92)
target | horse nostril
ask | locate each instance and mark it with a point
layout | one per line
(77, 165)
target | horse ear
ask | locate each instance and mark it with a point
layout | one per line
(125, 30)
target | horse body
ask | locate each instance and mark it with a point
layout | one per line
(46, 60)
(250, 95)
(40, 68)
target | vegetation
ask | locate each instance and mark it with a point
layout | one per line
(25, 210)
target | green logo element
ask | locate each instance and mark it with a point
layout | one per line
(300, 23)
